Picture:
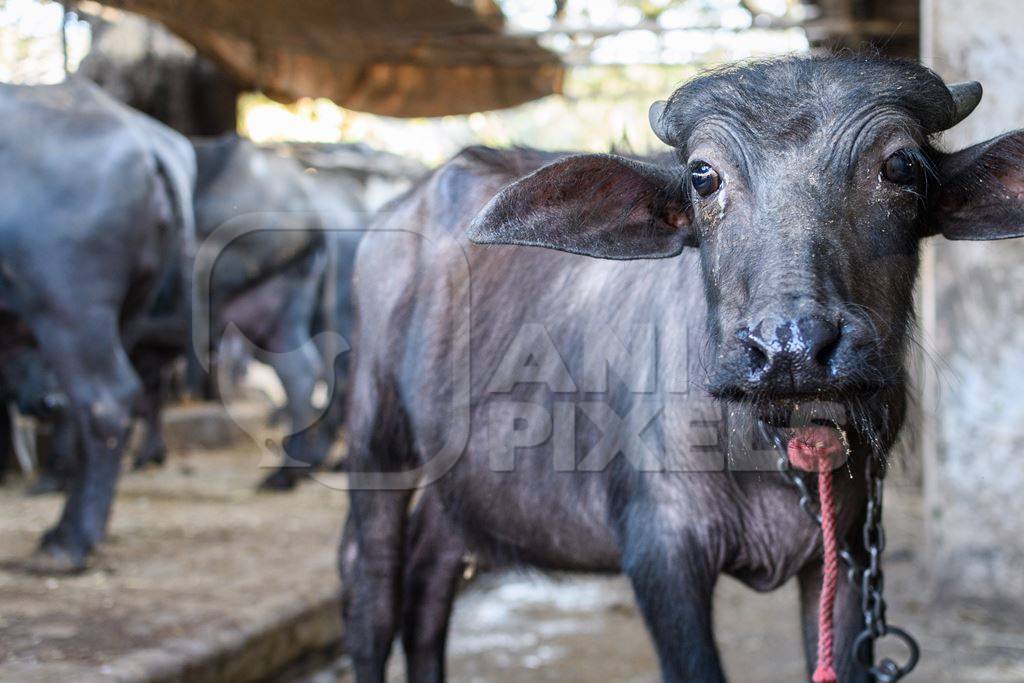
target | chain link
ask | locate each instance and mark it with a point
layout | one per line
(869, 579)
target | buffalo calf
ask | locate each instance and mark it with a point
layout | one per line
(604, 403)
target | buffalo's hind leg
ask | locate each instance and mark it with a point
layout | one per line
(298, 371)
(298, 364)
(91, 364)
(434, 566)
(153, 451)
(58, 463)
(371, 554)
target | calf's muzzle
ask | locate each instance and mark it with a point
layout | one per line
(792, 355)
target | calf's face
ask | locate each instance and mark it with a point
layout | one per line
(806, 184)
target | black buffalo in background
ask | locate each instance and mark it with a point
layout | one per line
(96, 296)
(97, 207)
(278, 246)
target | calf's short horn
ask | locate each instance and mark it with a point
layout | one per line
(654, 116)
(966, 97)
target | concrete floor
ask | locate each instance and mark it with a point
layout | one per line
(205, 579)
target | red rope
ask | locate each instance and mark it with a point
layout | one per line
(815, 449)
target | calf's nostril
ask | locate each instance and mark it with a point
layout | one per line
(758, 358)
(757, 350)
(826, 352)
(821, 339)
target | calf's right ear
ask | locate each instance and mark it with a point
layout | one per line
(598, 205)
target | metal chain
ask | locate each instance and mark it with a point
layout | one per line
(868, 579)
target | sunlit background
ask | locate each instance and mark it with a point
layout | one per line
(622, 54)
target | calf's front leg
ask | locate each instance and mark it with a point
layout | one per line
(674, 577)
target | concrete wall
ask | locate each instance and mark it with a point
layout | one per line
(973, 329)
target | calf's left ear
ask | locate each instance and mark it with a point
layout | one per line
(598, 205)
(982, 195)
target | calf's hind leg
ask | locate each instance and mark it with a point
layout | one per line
(372, 548)
(371, 571)
(434, 566)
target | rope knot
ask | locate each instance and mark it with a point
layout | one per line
(825, 675)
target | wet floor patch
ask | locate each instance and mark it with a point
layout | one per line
(526, 627)
(532, 627)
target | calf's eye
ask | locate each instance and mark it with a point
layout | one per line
(705, 180)
(901, 168)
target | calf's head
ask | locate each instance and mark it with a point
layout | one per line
(806, 184)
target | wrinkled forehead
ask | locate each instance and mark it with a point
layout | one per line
(786, 101)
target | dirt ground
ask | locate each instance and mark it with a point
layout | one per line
(199, 563)
(196, 562)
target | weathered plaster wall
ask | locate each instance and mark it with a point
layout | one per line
(973, 329)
